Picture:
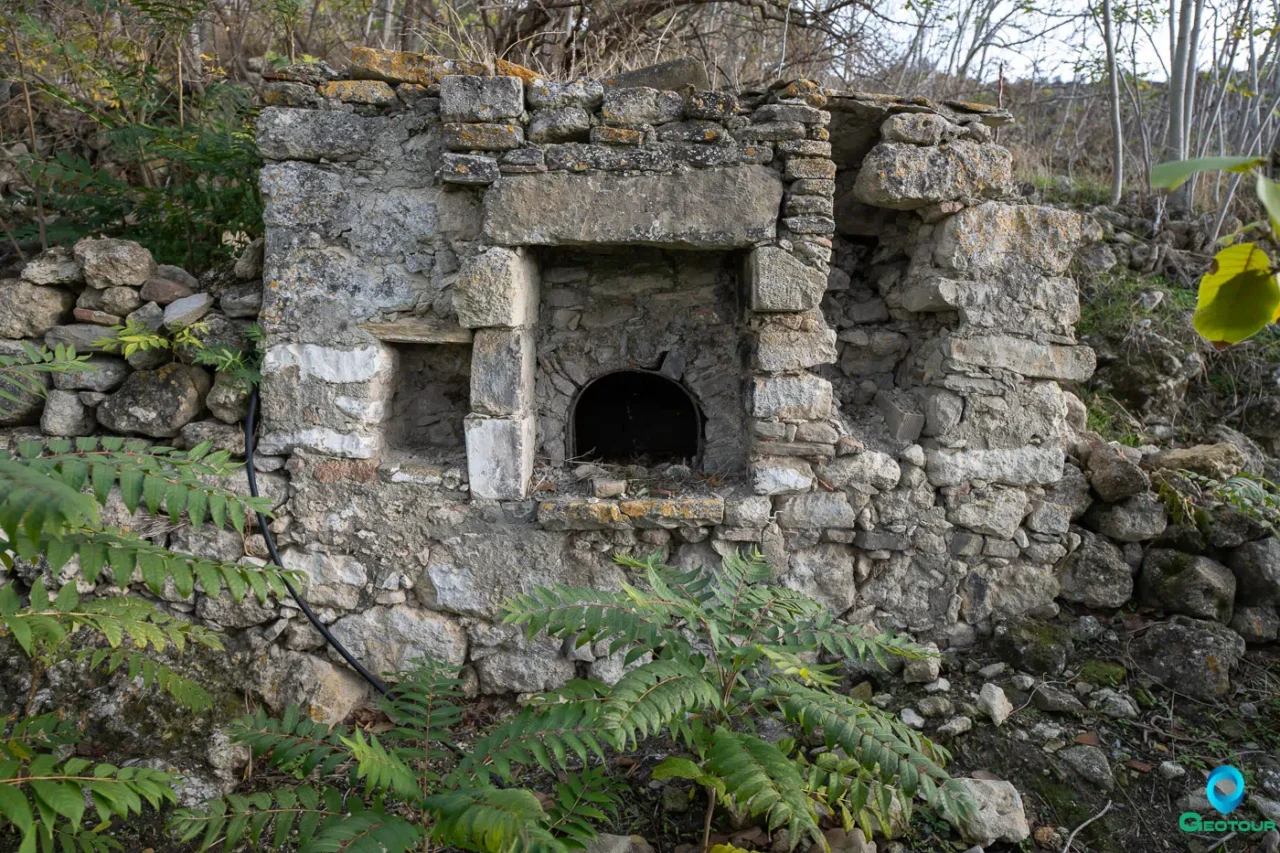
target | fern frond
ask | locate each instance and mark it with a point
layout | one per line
(852, 794)
(591, 615)
(154, 476)
(898, 755)
(268, 820)
(380, 769)
(32, 735)
(294, 743)
(540, 736)
(491, 820)
(761, 780)
(582, 798)
(38, 795)
(23, 374)
(366, 831)
(821, 632)
(49, 620)
(30, 503)
(423, 705)
(152, 673)
(652, 696)
(122, 552)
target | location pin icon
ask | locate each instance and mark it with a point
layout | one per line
(1222, 777)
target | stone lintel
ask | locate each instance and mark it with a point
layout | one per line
(419, 330)
(720, 208)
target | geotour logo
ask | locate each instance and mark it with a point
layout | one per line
(1225, 790)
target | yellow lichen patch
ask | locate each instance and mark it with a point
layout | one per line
(673, 512)
(618, 135)
(394, 66)
(808, 90)
(510, 69)
(579, 515)
(484, 137)
(373, 92)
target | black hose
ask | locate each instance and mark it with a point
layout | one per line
(249, 422)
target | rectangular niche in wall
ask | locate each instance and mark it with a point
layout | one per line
(432, 396)
(648, 339)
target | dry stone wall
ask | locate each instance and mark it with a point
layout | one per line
(878, 336)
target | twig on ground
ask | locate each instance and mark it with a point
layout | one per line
(1072, 837)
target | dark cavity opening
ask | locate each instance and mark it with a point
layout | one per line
(636, 417)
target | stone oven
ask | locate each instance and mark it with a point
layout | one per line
(517, 326)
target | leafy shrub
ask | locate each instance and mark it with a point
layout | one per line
(333, 788)
(50, 494)
(729, 651)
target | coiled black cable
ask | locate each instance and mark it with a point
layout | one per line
(249, 423)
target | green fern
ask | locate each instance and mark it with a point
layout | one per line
(23, 376)
(761, 780)
(416, 781)
(730, 648)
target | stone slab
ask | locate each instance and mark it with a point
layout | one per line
(500, 456)
(721, 208)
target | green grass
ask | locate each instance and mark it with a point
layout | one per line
(1110, 306)
(1109, 419)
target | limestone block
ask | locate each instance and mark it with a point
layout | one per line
(387, 639)
(55, 266)
(105, 373)
(996, 237)
(824, 573)
(799, 397)
(779, 281)
(109, 262)
(324, 691)
(565, 124)
(293, 134)
(719, 208)
(332, 580)
(781, 350)
(500, 455)
(65, 415)
(502, 370)
(672, 513)
(468, 169)
(670, 75)
(640, 105)
(329, 364)
(1184, 583)
(817, 510)
(917, 128)
(907, 177)
(781, 476)
(546, 94)
(462, 136)
(869, 469)
(994, 512)
(28, 310)
(466, 98)
(1025, 357)
(395, 66)
(497, 287)
(372, 92)
(1022, 466)
(901, 415)
(942, 411)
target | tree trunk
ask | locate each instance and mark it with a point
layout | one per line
(1117, 128)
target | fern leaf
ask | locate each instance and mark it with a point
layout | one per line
(540, 736)
(761, 780)
(579, 801)
(380, 769)
(652, 696)
(269, 820)
(490, 820)
(896, 754)
(295, 743)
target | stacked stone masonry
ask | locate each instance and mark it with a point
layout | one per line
(876, 335)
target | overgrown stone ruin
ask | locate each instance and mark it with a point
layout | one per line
(514, 327)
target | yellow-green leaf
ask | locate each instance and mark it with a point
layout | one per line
(1239, 296)
(1175, 173)
(1269, 194)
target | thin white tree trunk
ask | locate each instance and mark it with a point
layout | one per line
(1117, 128)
